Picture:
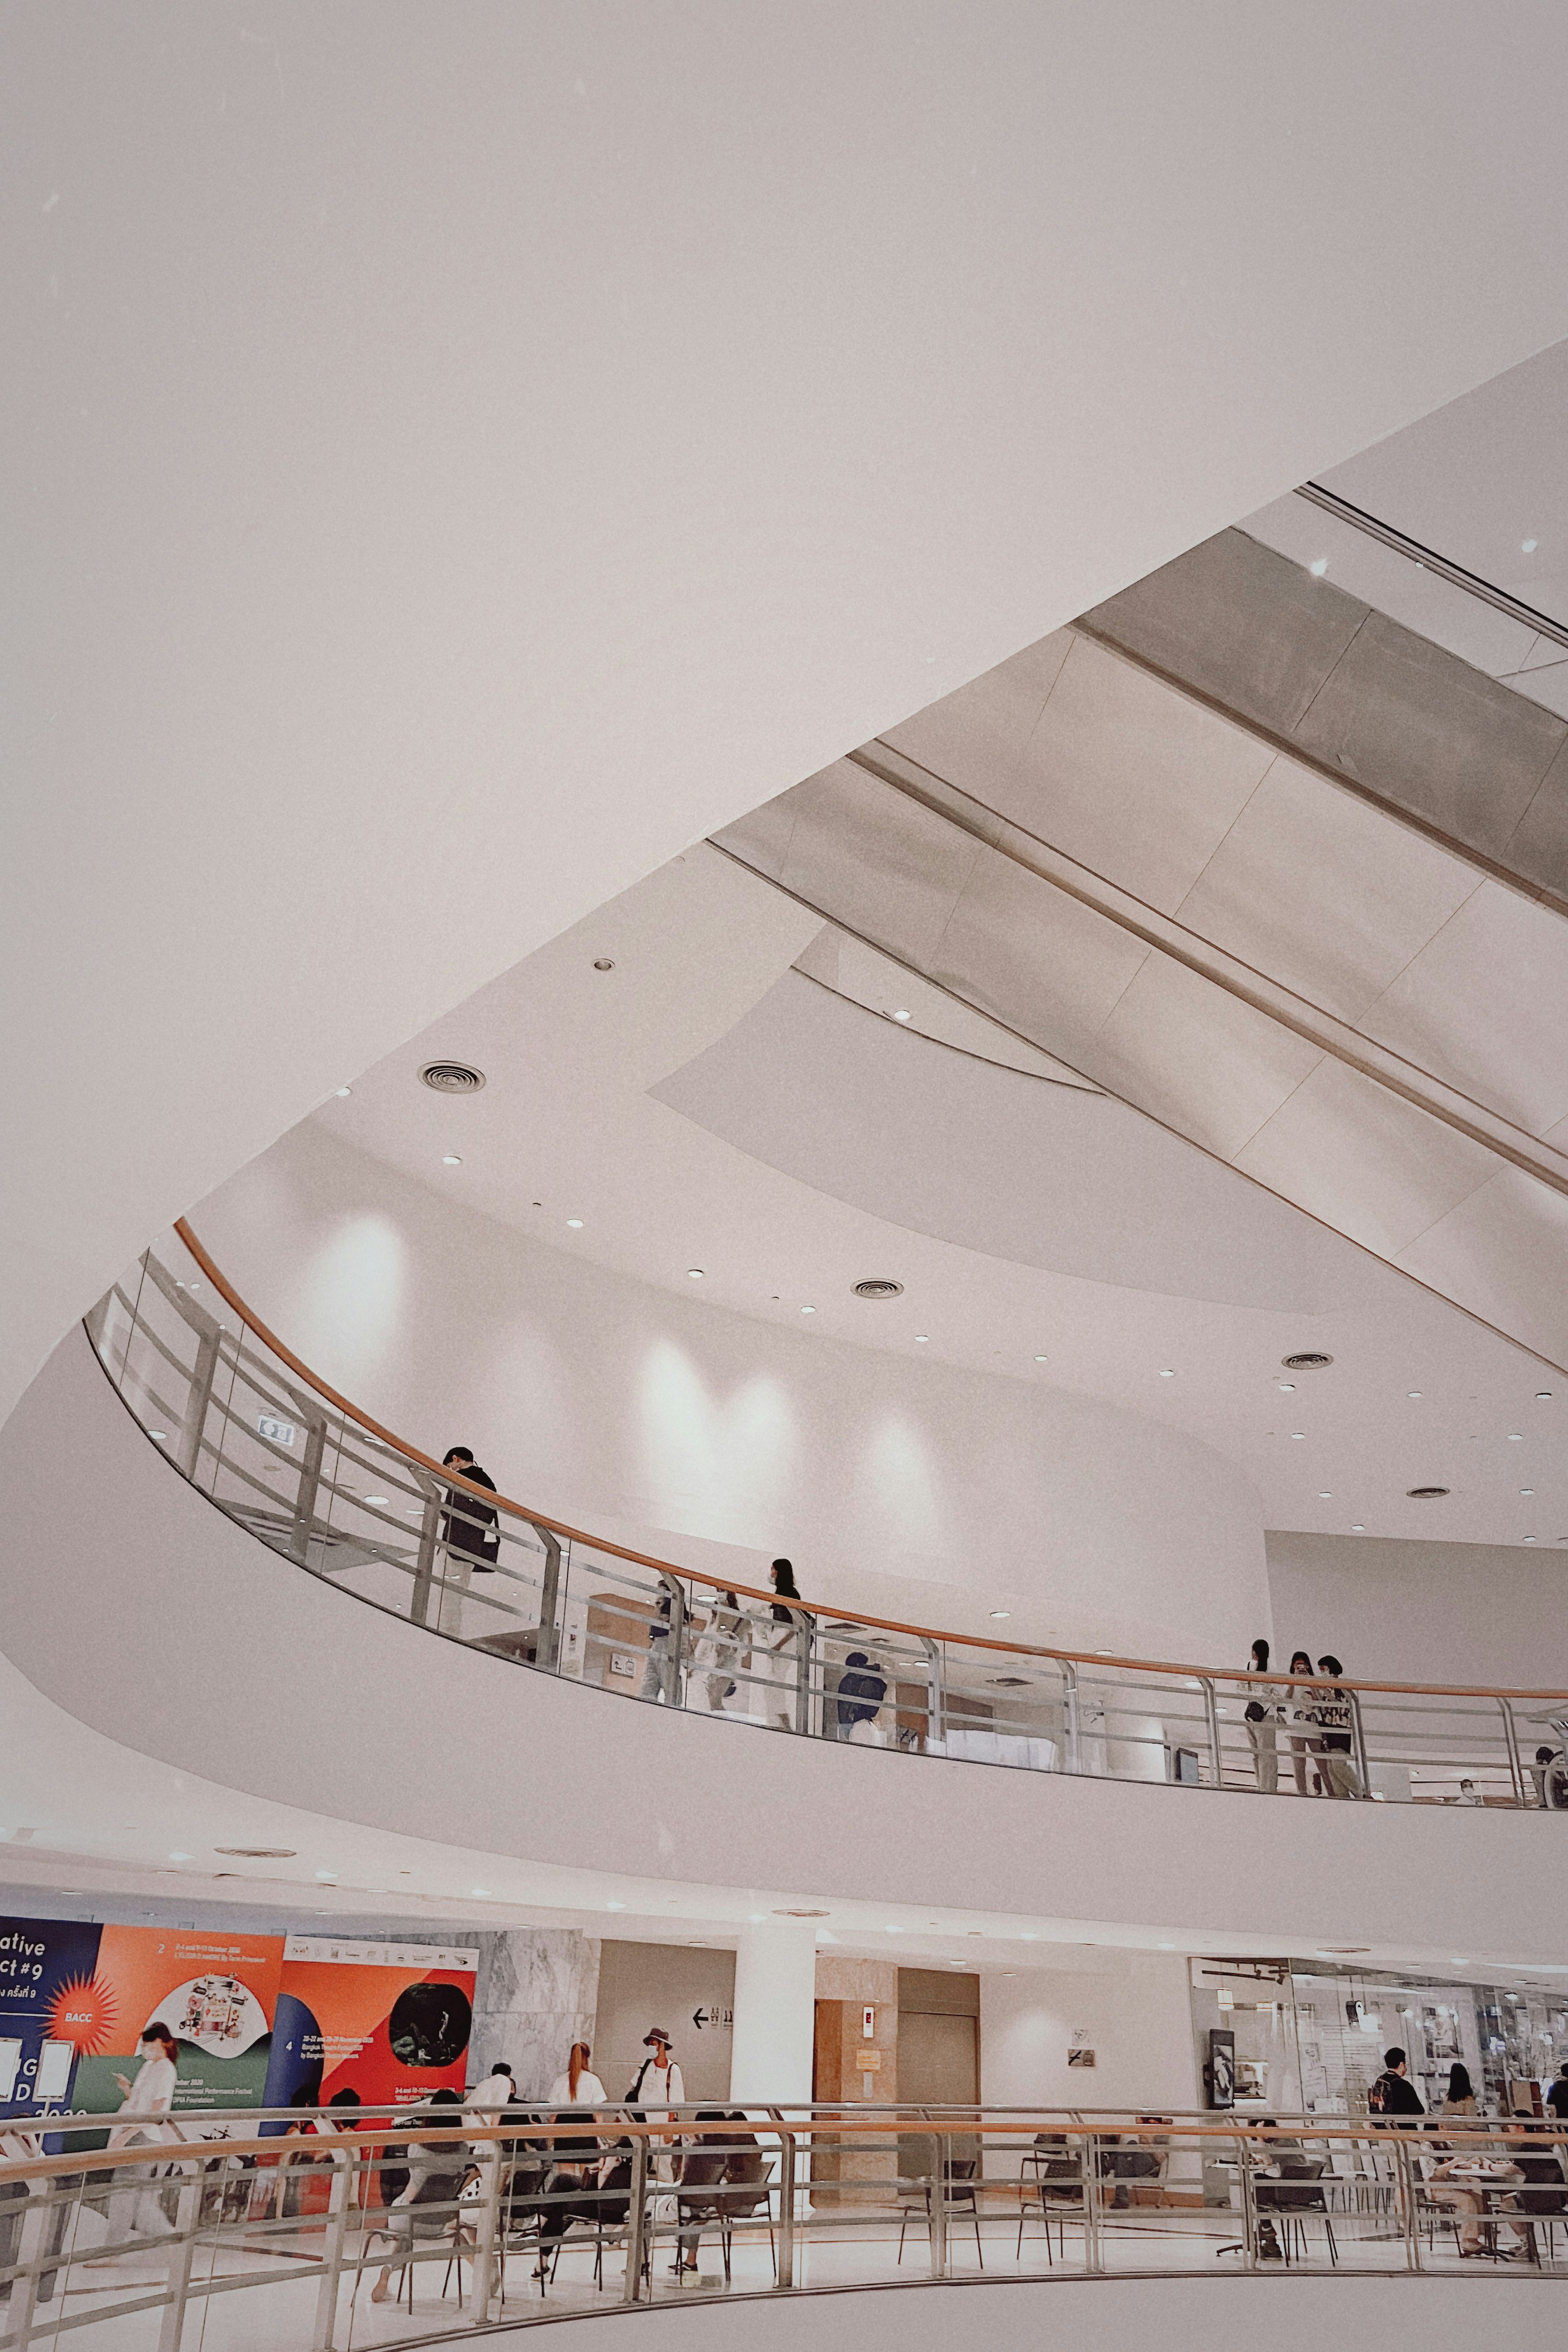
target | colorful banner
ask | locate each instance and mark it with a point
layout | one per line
(75, 2000)
(389, 2020)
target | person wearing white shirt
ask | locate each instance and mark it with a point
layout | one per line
(578, 2087)
(496, 2092)
(148, 2099)
(658, 2087)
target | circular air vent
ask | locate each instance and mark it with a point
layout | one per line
(1307, 1361)
(1426, 1494)
(452, 1077)
(258, 1853)
(878, 1288)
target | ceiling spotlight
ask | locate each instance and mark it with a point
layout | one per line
(1042, 1359)
(902, 1014)
(1543, 1396)
(1298, 1433)
(344, 1091)
(1527, 1490)
(808, 1310)
(1413, 1392)
(1001, 1613)
(1318, 567)
(451, 1159)
(1530, 1538)
(376, 1501)
(1289, 1387)
(159, 1436)
(1528, 546)
(922, 1339)
(575, 1223)
(1169, 1373)
(1515, 1438)
(326, 1874)
(182, 1857)
(1357, 1529)
(1325, 1494)
(694, 1273)
(604, 963)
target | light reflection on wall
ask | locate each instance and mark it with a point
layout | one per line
(898, 1492)
(350, 1292)
(722, 1466)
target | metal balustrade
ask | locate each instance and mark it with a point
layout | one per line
(304, 1470)
(290, 2229)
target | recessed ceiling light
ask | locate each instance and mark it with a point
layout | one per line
(808, 1310)
(1543, 1396)
(182, 1857)
(1530, 1538)
(1009, 1972)
(1527, 1490)
(922, 1339)
(1319, 567)
(1515, 1438)
(342, 1091)
(1298, 1433)
(1325, 1494)
(1357, 1529)
(1413, 1392)
(902, 1014)
(575, 1223)
(1289, 1387)
(326, 1874)
(1001, 1613)
(694, 1273)
(451, 1159)
(1528, 546)
(159, 1436)
(1168, 1375)
(604, 963)
(483, 1892)
(1042, 1359)
(376, 1501)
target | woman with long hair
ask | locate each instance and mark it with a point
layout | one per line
(1261, 1715)
(1459, 2099)
(578, 2087)
(1298, 1715)
(781, 1650)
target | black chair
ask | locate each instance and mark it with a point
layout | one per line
(960, 2194)
(1295, 2195)
(1052, 2179)
(1544, 2198)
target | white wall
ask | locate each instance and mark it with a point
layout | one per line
(1134, 2012)
(902, 1487)
(1435, 1613)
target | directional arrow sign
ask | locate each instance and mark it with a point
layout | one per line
(699, 2019)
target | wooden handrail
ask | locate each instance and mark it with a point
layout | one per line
(1233, 1676)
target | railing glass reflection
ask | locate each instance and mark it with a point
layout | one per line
(302, 1469)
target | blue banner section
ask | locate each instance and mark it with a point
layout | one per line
(53, 2007)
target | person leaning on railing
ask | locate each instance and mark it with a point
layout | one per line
(468, 1527)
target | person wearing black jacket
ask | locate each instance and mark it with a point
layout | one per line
(467, 1526)
(1392, 2096)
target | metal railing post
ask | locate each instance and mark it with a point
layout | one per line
(1093, 2257)
(425, 1559)
(198, 1396)
(1069, 1710)
(937, 2192)
(547, 1651)
(787, 2207)
(310, 1485)
(1249, 2205)
(487, 2238)
(936, 1709)
(675, 1645)
(188, 2215)
(1404, 2159)
(36, 2227)
(636, 2218)
(344, 2163)
(1217, 1752)
(804, 1632)
(1362, 1767)
(1516, 1770)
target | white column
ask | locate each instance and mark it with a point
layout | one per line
(775, 2014)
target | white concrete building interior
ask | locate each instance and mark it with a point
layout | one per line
(786, 1272)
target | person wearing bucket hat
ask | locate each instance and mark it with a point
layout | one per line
(658, 2085)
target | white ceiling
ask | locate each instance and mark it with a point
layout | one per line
(794, 1190)
(460, 456)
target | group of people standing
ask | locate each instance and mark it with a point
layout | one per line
(1313, 1716)
(732, 1645)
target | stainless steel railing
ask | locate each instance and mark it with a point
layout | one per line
(470, 2218)
(307, 1473)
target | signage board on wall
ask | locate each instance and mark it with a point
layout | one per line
(389, 2020)
(76, 1998)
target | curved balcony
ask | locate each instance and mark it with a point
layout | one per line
(288, 1459)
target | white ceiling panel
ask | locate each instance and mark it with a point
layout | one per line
(1318, 889)
(976, 736)
(1508, 1240)
(1206, 1064)
(1129, 778)
(1035, 958)
(1370, 1164)
(1483, 1006)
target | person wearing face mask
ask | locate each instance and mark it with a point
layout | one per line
(1299, 1716)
